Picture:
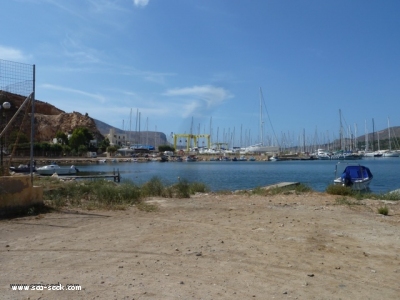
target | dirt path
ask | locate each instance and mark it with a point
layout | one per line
(209, 247)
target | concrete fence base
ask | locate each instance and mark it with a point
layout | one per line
(18, 192)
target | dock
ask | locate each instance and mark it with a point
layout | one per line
(116, 176)
(281, 185)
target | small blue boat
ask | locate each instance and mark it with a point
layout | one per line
(357, 177)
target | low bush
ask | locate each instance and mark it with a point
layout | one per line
(302, 188)
(92, 194)
(198, 187)
(259, 191)
(345, 201)
(341, 190)
(391, 196)
(182, 189)
(383, 210)
(154, 187)
(297, 189)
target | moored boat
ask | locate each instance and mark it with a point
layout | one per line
(191, 158)
(346, 155)
(357, 177)
(390, 153)
(373, 154)
(59, 170)
(22, 169)
(323, 155)
(274, 158)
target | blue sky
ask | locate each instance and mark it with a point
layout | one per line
(183, 63)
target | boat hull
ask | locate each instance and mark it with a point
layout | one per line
(390, 154)
(22, 169)
(357, 185)
(52, 169)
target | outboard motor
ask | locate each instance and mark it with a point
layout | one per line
(347, 180)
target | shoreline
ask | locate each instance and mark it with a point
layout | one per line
(43, 160)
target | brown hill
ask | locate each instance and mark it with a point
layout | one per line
(48, 119)
(382, 134)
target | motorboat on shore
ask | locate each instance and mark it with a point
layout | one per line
(323, 154)
(191, 158)
(22, 169)
(260, 148)
(274, 158)
(390, 153)
(346, 155)
(56, 169)
(373, 154)
(357, 177)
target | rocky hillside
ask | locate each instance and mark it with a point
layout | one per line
(49, 120)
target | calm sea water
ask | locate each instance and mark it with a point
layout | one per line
(219, 175)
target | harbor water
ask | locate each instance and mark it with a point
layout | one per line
(239, 175)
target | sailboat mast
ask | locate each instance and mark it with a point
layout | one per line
(390, 144)
(366, 137)
(211, 133)
(130, 129)
(261, 120)
(139, 129)
(341, 130)
(373, 135)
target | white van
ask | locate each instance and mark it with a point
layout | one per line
(91, 154)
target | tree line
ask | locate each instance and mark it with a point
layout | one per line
(77, 144)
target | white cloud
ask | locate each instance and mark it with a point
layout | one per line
(8, 53)
(76, 50)
(105, 6)
(140, 2)
(61, 6)
(98, 97)
(209, 94)
(200, 98)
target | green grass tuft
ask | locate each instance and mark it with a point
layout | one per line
(341, 190)
(98, 194)
(154, 187)
(345, 201)
(182, 189)
(383, 210)
(198, 187)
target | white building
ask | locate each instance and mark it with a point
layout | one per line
(116, 138)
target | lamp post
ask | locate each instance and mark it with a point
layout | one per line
(3, 107)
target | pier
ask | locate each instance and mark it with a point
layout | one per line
(282, 185)
(116, 176)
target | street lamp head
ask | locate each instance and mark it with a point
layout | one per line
(6, 105)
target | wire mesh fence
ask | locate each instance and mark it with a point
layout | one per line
(16, 78)
(17, 82)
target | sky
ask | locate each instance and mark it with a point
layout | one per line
(215, 66)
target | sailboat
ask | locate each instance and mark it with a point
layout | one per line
(372, 153)
(260, 147)
(390, 153)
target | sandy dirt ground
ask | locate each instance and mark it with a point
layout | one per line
(208, 247)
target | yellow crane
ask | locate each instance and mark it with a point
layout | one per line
(190, 137)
